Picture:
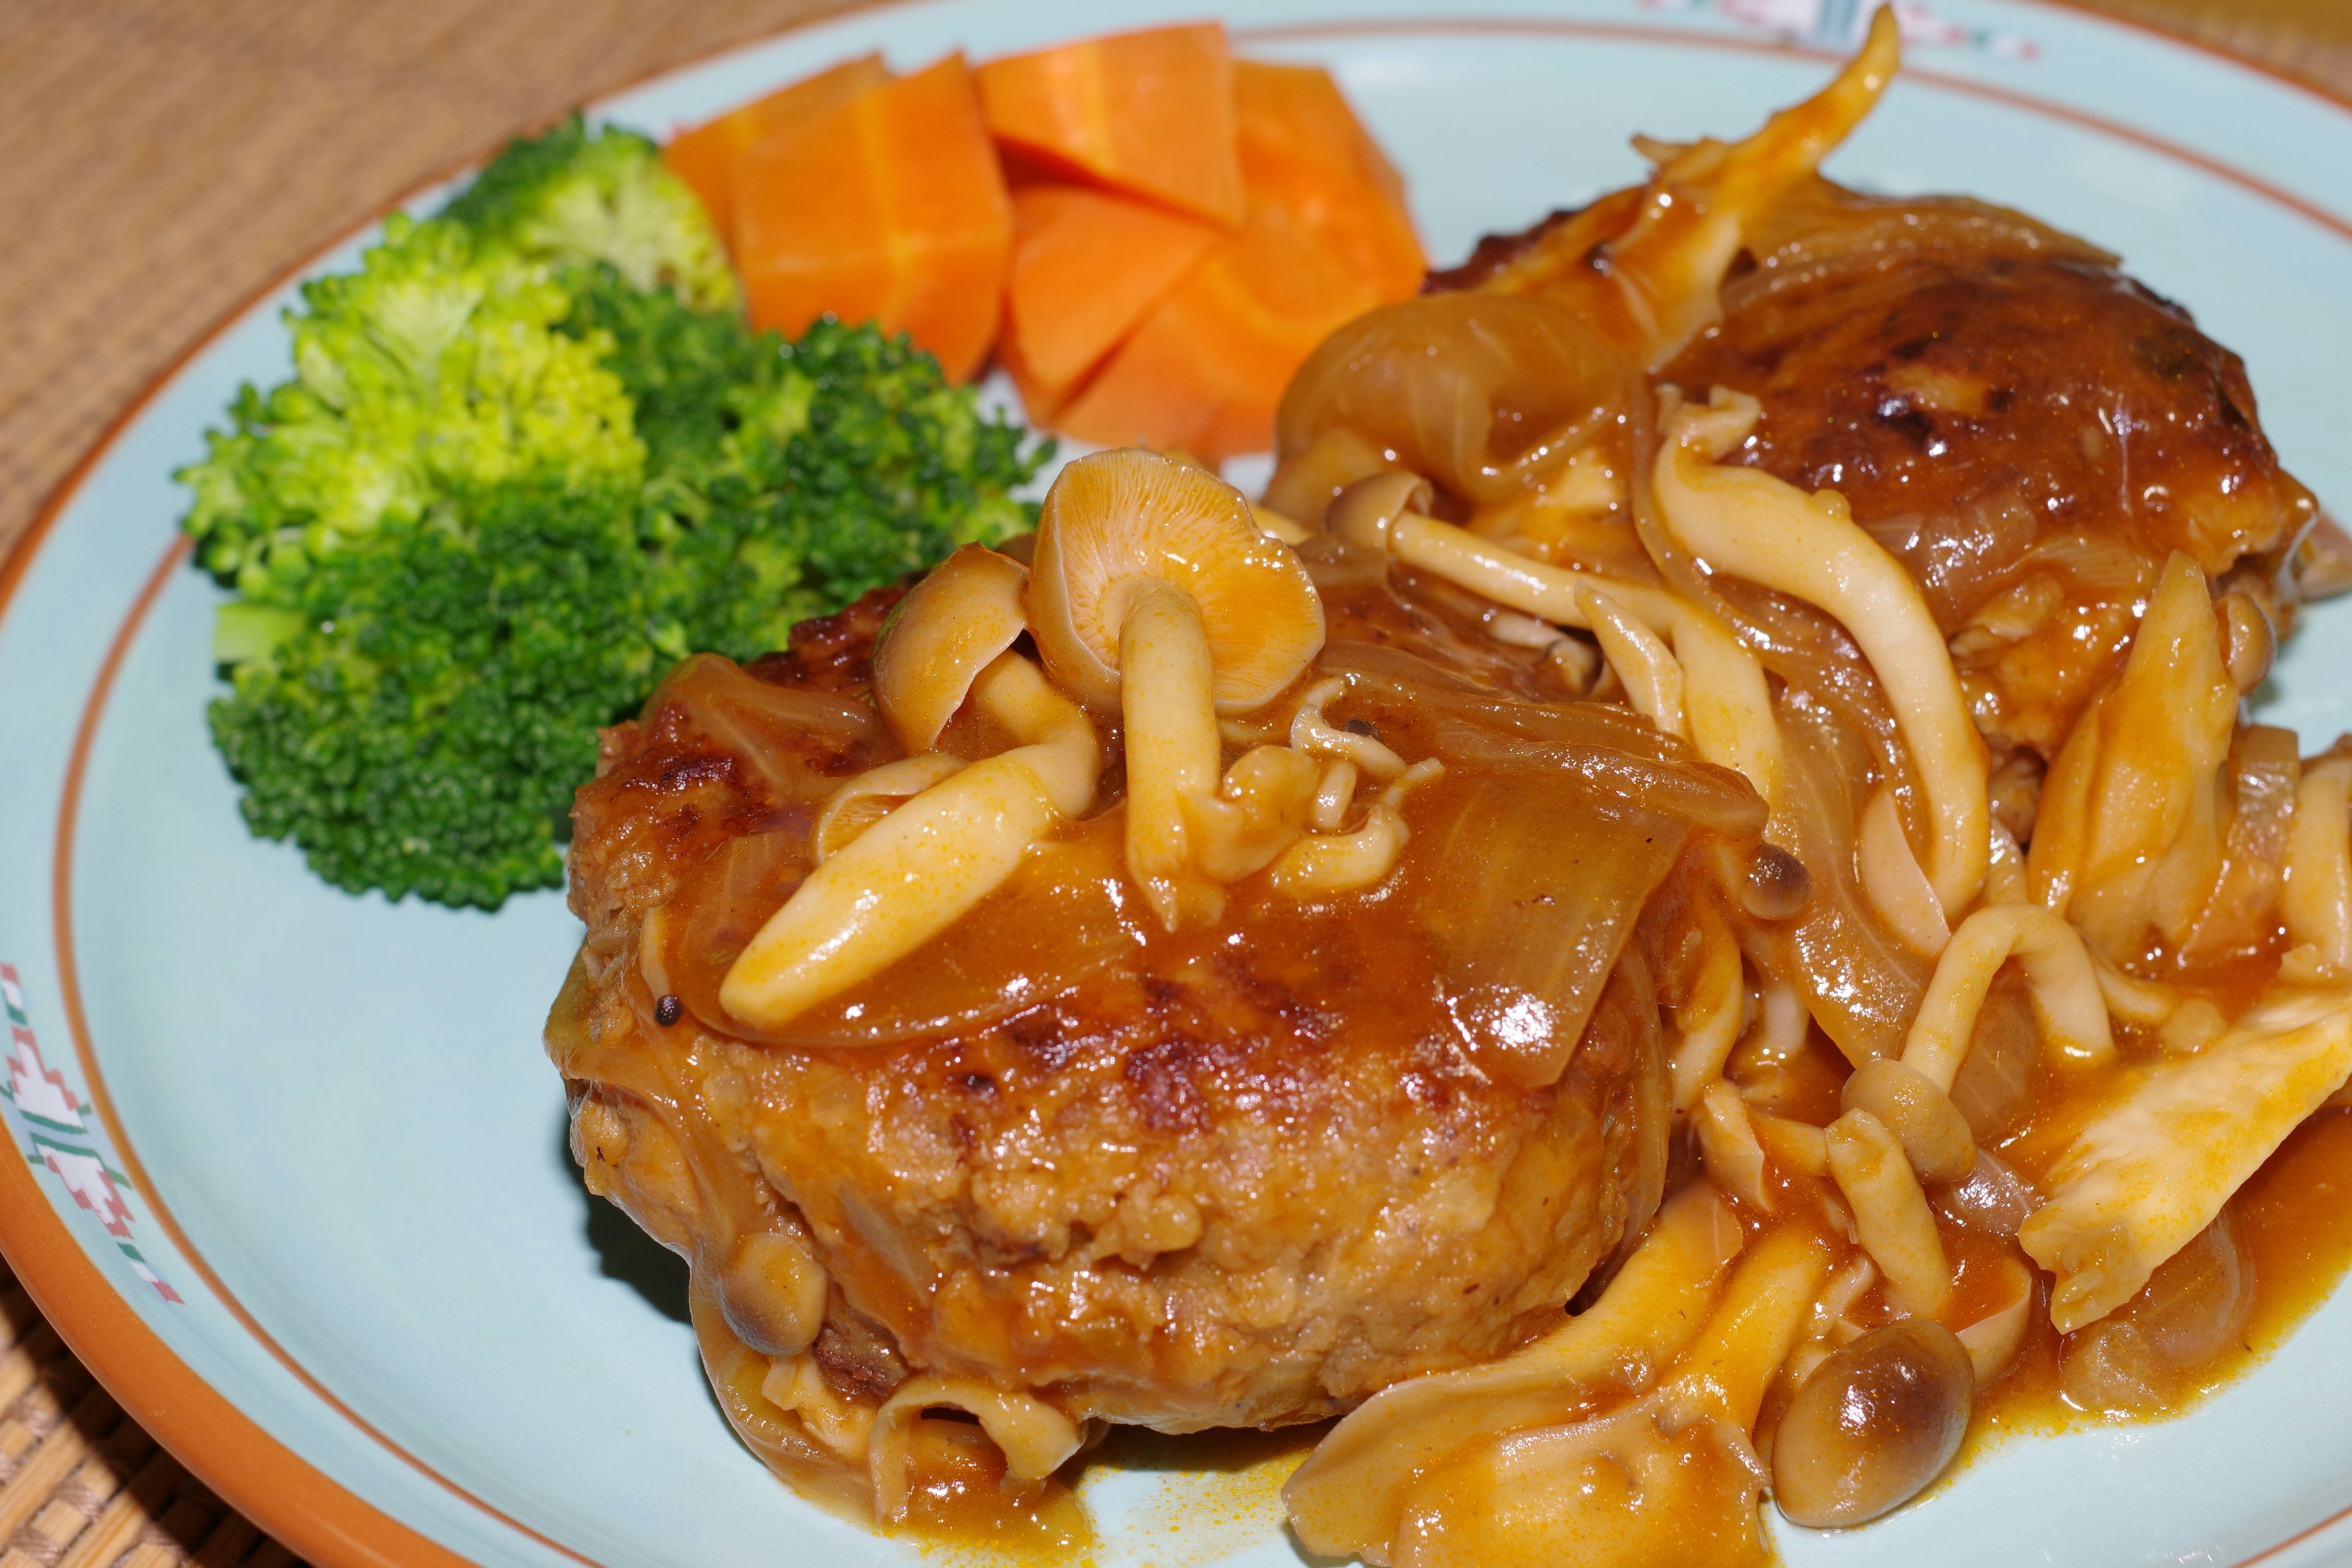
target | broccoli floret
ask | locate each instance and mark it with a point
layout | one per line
(425, 737)
(434, 367)
(575, 195)
(507, 487)
(789, 478)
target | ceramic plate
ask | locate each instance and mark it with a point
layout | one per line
(295, 1181)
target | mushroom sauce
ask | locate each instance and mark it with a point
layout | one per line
(1688, 912)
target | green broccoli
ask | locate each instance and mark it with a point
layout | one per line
(786, 478)
(517, 473)
(435, 368)
(571, 195)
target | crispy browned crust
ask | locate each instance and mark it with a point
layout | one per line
(2033, 435)
(1225, 1184)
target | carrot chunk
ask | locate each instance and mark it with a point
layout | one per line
(1205, 370)
(1327, 238)
(1302, 146)
(1086, 266)
(705, 157)
(1042, 401)
(887, 208)
(1150, 113)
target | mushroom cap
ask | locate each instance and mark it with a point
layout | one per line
(940, 637)
(1115, 520)
(1362, 514)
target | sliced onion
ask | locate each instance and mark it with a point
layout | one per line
(1530, 887)
(1618, 755)
(2152, 1351)
(796, 739)
(1539, 850)
(1861, 985)
(1480, 392)
(1068, 912)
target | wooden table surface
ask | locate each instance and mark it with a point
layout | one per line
(160, 160)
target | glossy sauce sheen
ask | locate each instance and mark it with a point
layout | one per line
(2298, 1217)
(1227, 1177)
(1078, 1114)
(2295, 1216)
(2029, 431)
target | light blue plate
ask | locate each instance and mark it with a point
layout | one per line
(333, 1180)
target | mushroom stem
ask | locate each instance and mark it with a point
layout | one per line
(948, 629)
(1311, 732)
(1321, 865)
(1725, 703)
(1354, 1493)
(873, 795)
(1261, 808)
(1892, 876)
(1870, 1167)
(1683, 670)
(1034, 1436)
(921, 868)
(1058, 741)
(2317, 898)
(1668, 245)
(1652, 678)
(1517, 582)
(2068, 1005)
(1174, 749)
(1725, 1372)
(1993, 1339)
(1749, 524)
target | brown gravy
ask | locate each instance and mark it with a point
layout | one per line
(2295, 1216)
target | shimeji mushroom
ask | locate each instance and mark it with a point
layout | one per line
(1873, 1172)
(886, 888)
(1356, 1491)
(1034, 1436)
(1746, 523)
(1668, 1477)
(1389, 514)
(1644, 267)
(1874, 1424)
(1912, 1097)
(1156, 596)
(1709, 688)
(942, 635)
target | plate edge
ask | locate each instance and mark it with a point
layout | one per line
(293, 1500)
(2080, 8)
(289, 1496)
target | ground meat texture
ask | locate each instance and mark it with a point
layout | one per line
(2031, 434)
(1243, 1176)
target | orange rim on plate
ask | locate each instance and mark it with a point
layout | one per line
(285, 1494)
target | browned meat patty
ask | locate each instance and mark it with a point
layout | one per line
(1240, 1176)
(2031, 431)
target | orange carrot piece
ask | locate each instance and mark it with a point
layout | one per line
(1086, 266)
(1301, 107)
(1205, 370)
(889, 207)
(1327, 238)
(1150, 113)
(1302, 147)
(1041, 401)
(705, 157)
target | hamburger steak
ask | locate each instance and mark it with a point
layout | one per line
(1241, 1174)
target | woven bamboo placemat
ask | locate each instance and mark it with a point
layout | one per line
(160, 160)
